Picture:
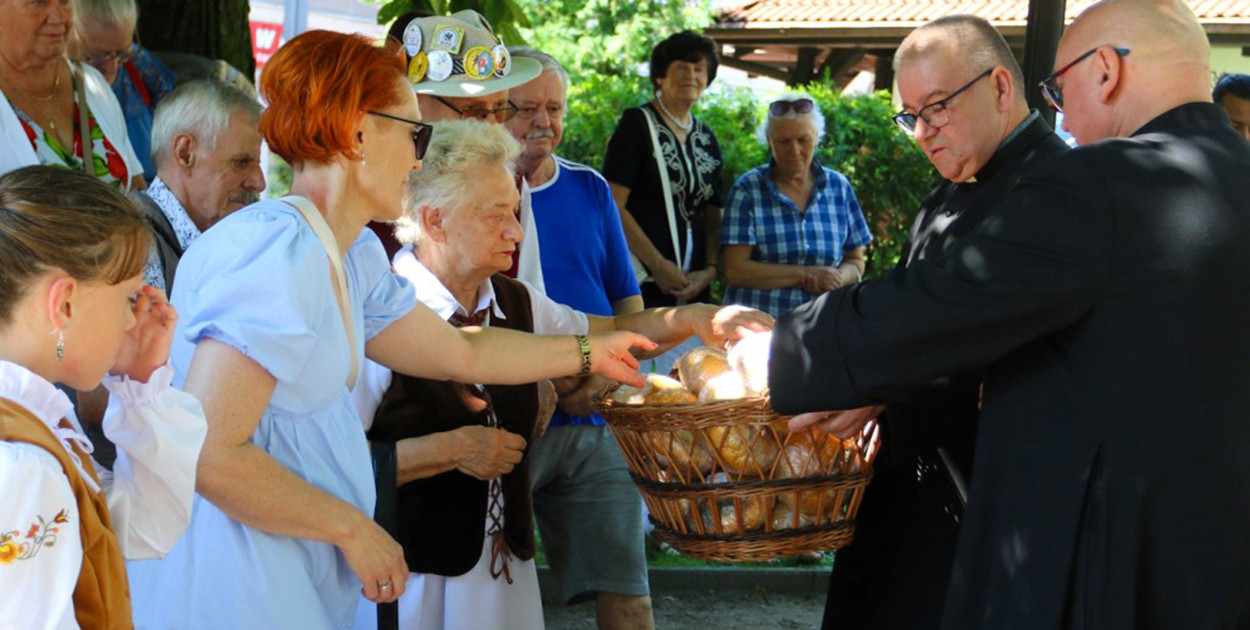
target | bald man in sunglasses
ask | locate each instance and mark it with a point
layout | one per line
(963, 101)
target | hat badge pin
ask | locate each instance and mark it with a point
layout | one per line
(478, 63)
(417, 67)
(413, 39)
(440, 65)
(448, 38)
(503, 60)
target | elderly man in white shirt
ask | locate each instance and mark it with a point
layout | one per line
(465, 519)
(206, 146)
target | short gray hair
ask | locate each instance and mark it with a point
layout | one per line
(448, 173)
(972, 39)
(107, 13)
(814, 118)
(547, 61)
(201, 108)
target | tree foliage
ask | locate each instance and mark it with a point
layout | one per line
(216, 30)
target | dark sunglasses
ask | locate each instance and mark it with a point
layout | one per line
(1050, 85)
(798, 106)
(499, 114)
(421, 134)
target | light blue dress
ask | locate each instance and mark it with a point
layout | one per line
(260, 281)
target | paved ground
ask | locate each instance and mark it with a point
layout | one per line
(707, 610)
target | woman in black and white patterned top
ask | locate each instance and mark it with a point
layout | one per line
(682, 66)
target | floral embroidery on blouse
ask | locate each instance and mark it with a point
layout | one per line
(14, 546)
(107, 163)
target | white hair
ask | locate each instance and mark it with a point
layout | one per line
(450, 172)
(546, 61)
(814, 118)
(200, 108)
(107, 13)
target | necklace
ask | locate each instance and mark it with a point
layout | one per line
(56, 86)
(687, 126)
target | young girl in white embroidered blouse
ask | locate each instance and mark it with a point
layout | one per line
(74, 310)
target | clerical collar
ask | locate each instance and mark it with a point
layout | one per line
(1004, 150)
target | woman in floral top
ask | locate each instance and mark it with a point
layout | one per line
(40, 117)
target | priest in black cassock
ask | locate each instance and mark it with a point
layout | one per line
(1105, 304)
(982, 139)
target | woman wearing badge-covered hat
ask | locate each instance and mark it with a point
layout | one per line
(282, 301)
(793, 229)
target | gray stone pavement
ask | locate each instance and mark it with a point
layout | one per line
(715, 599)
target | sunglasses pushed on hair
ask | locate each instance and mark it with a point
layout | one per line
(421, 133)
(798, 106)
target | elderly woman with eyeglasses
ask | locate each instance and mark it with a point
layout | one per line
(49, 100)
(793, 228)
(104, 37)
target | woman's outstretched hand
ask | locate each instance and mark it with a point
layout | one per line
(612, 356)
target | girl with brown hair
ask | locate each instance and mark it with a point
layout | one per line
(74, 310)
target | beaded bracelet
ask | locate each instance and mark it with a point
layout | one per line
(584, 344)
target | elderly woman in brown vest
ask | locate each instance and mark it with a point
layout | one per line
(464, 508)
(74, 310)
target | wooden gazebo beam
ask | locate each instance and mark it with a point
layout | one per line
(1041, 40)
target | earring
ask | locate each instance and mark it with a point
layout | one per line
(363, 161)
(60, 345)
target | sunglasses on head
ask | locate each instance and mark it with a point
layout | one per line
(421, 133)
(798, 106)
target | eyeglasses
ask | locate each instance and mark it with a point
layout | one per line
(499, 114)
(120, 56)
(420, 135)
(530, 111)
(934, 114)
(798, 106)
(1050, 85)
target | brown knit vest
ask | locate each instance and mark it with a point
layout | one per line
(442, 518)
(102, 595)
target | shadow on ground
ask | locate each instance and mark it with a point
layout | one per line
(708, 610)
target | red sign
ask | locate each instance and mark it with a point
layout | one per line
(266, 37)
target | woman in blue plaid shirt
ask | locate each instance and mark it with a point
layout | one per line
(793, 228)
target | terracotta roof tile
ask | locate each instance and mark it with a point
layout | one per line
(777, 13)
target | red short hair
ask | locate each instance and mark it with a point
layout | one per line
(317, 86)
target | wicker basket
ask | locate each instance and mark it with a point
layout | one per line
(728, 481)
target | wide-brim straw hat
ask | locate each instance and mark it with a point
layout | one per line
(460, 56)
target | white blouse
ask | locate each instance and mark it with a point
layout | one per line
(158, 431)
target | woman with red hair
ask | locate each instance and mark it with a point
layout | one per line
(281, 303)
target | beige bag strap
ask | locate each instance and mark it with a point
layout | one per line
(88, 147)
(323, 232)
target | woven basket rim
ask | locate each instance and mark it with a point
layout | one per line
(761, 487)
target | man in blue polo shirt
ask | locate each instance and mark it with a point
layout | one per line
(587, 508)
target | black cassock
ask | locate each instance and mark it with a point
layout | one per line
(1107, 304)
(894, 575)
